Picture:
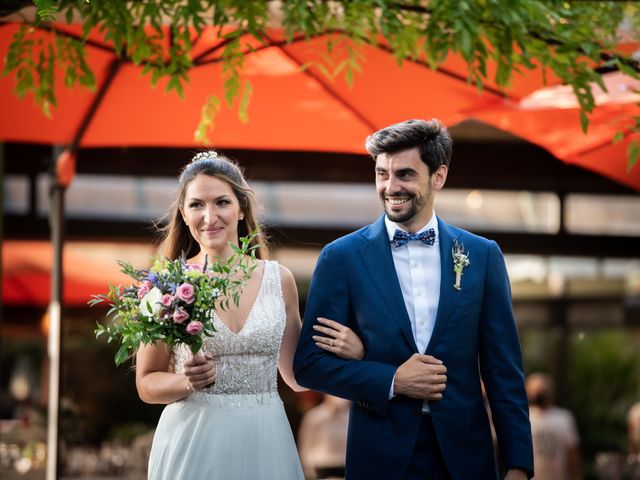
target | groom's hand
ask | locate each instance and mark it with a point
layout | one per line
(422, 376)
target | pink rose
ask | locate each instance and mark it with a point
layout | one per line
(143, 290)
(166, 300)
(194, 328)
(180, 315)
(185, 292)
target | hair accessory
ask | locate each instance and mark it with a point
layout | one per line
(204, 155)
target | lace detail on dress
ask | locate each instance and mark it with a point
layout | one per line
(247, 361)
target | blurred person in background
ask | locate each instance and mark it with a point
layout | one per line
(556, 441)
(322, 439)
(633, 436)
(633, 423)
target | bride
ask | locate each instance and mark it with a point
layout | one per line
(224, 418)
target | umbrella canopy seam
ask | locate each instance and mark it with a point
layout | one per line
(328, 89)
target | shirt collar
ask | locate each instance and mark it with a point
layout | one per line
(392, 226)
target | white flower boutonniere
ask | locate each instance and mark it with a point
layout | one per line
(460, 260)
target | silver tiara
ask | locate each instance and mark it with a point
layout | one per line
(204, 155)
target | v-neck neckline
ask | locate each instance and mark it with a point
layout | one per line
(249, 315)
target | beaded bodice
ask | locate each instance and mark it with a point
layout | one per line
(247, 361)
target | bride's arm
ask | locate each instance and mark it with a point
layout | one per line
(291, 329)
(156, 384)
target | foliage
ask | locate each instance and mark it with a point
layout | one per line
(171, 302)
(604, 379)
(603, 372)
(568, 38)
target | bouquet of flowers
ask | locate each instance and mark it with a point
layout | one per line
(172, 302)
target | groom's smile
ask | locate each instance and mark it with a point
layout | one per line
(395, 201)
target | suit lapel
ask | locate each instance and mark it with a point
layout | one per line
(376, 254)
(448, 299)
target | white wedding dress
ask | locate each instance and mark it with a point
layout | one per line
(238, 429)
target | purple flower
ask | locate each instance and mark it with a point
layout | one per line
(171, 287)
(152, 277)
(194, 327)
(185, 292)
(180, 315)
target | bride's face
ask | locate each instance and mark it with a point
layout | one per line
(211, 211)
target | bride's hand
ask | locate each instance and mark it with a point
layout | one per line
(338, 339)
(200, 371)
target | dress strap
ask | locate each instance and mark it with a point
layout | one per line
(272, 281)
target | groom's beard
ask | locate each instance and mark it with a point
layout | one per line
(402, 217)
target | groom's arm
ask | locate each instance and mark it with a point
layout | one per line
(365, 382)
(501, 367)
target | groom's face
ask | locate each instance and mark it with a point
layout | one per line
(406, 189)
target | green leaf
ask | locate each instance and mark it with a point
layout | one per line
(122, 355)
(244, 101)
(324, 71)
(632, 152)
(207, 119)
(46, 10)
(584, 121)
(172, 84)
(618, 137)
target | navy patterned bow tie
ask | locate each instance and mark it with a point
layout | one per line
(400, 237)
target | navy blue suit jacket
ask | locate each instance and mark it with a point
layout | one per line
(475, 335)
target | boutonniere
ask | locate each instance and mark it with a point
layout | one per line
(460, 260)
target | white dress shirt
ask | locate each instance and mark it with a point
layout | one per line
(418, 269)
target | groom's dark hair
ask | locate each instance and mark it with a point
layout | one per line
(431, 138)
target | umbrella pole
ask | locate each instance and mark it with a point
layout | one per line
(62, 173)
(56, 221)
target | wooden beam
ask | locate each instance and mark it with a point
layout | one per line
(498, 163)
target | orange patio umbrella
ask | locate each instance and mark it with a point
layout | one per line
(295, 108)
(550, 117)
(292, 108)
(27, 266)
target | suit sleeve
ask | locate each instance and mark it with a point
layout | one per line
(365, 382)
(501, 367)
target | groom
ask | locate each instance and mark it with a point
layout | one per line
(432, 306)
